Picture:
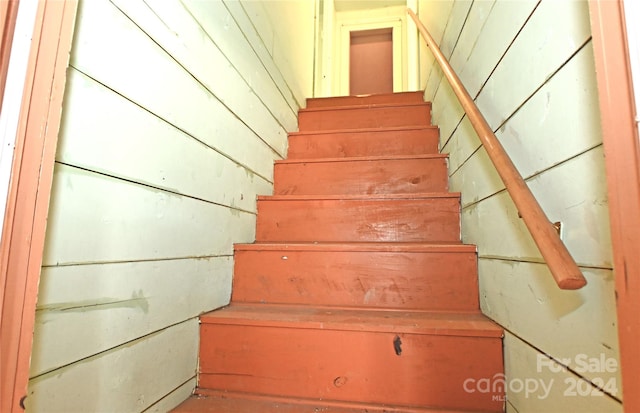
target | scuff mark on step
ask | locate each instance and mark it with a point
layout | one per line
(397, 345)
(340, 381)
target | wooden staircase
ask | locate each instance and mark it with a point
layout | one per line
(358, 295)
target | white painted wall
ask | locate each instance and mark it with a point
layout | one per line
(529, 66)
(173, 116)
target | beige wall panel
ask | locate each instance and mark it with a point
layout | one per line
(564, 388)
(225, 22)
(256, 83)
(94, 218)
(434, 14)
(293, 23)
(111, 304)
(524, 298)
(501, 27)
(556, 30)
(455, 23)
(502, 24)
(446, 111)
(112, 140)
(171, 26)
(560, 121)
(461, 146)
(286, 27)
(256, 12)
(477, 178)
(126, 379)
(574, 194)
(174, 398)
(474, 24)
(550, 37)
(152, 79)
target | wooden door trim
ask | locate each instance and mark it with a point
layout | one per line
(622, 160)
(29, 192)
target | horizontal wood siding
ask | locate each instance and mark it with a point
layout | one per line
(174, 115)
(529, 66)
(561, 386)
(128, 378)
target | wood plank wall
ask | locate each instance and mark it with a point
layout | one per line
(529, 66)
(173, 117)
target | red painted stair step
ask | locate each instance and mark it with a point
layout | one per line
(358, 295)
(364, 175)
(382, 357)
(373, 116)
(367, 275)
(384, 98)
(384, 218)
(364, 142)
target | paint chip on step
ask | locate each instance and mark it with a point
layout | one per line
(397, 345)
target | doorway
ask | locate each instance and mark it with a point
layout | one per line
(371, 61)
(382, 24)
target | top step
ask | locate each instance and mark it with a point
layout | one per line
(387, 98)
(365, 116)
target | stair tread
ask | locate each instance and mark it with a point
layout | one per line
(440, 323)
(361, 158)
(211, 401)
(415, 96)
(358, 246)
(360, 197)
(364, 130)
(363, 106)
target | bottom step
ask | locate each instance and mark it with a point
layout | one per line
(390, 358)
(221, 402)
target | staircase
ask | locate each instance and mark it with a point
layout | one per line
(358, 295)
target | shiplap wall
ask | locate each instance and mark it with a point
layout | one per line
(173, 116)
(529, 66)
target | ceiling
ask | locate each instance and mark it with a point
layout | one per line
(351, 5)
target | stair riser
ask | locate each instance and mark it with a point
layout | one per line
(404, 176)
(419, 220)
(376, 117)
(410, 97)
(367, 143)
(213, 401)
(353, 366)
(398, 280)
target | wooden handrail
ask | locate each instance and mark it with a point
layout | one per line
(561, 264)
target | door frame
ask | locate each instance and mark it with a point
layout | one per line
(23, 234)
(344, 45)
(622, 162)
